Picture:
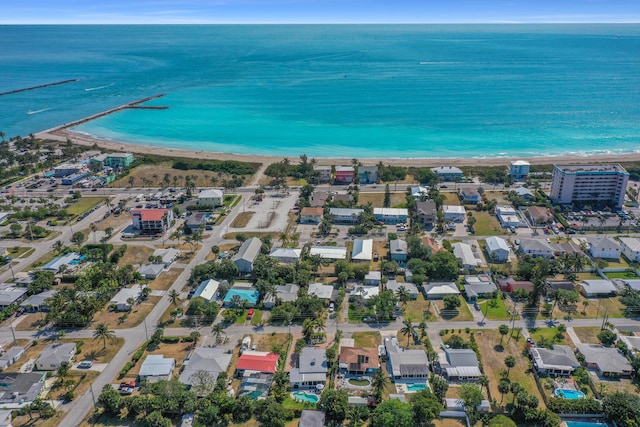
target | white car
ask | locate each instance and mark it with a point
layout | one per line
(85, 364)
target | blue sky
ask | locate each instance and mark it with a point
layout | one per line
(316, 11)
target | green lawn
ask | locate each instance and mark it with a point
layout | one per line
(256, 320)
(366, 339)
(486, 224)
(356, 312)
(629, 274)
(242, 318)
(19, 251)
(83, 205)
(548, 336)
(462, 314)
(495, 309)
(452, 199)
(418, 310)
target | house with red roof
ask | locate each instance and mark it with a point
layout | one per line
(152, 221)
(257, 361)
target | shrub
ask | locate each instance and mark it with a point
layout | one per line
(126, 369)
(170, 340)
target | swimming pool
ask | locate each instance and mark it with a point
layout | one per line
(416, 387)
(567, 393)
(584, 424)
(305, 397)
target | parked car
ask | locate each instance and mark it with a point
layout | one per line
(250, 313)
(85, 364)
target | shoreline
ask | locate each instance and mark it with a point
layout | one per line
(61, 133)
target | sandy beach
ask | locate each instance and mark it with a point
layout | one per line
(81, 139)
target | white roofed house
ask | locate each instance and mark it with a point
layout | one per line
(630, 248)
(391, 215)
(507, 216)
(606, 360)
(286, 255)
(247, 254)
(398, 250)
(54, 355)
(10, 295)
(213, 198)
(404, 363)
(454, 213)
(167, 256)
(597, 288)
(208, 289)
(151, 271)
(57, 263)
(479, 286)
(560, 360)
(345, 215)
(331, 253)
(439, 290)
(362, 250)
(605, 247)
(464, 253)
(126, 298)
(156, 368)
(448, 173)
(536, 247)
(325, 292)
(213, 361)
(498, 249)
(460, 364)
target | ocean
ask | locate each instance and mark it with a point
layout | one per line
(363, 91)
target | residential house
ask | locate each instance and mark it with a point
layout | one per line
(419, 192)
(439, 290)
(523, 192)
(126, 298)
(470, 195)
(479, 286)
(311, 370)
(507, 216)
(208, 289)
(560, 360)
(257, 361)
(391, 215)
(20, 389)
(510, 285)
(597, 288)
(519, 169)
(460, 364)
(242, 294)
(464, 253)
(539, 215)
(118, 160)
(152, 221)
(211, 360)
(358, 360)
(631, 248)
(555, 285)
(54, 355)
(150, 271)
(322, 173)
(448, 173)
(373, 278)
(247, 255)
(197, 221)
(607, 361)
(38, 302)
(633, 284)
(10, 296)
(412, 289)
(157, 368)
(454, 213)
(398, 250)
(284, 293)
(345, 215)
(310, 215)
(286, 255)
(167, 256)
(318, 198)
(362, 250)
(325, 292)
(426, 213)
(498, 249)
(212, 197)
(311, 418)
(11, 356)
(56, 264)
(605, 248)
(344, 174)
(405, 363)
(368, 174)
(454, 408)
(331, 253)
(536, 247)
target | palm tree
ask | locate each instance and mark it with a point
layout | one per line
(94, 228)
(58, 246)
(403, 295)
(356, 415)
(308, 327)
(408, 329)
(131, 180)
(174, 297)
(483, 381)
(510, 362)
(319, 324)
(378, 382)
(104, 333)
(219, 333)
(504, 330)
(585, 304)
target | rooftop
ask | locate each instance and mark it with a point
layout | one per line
(150, 214)
(607, 359)
(599, 167)
(210, 194)
(249, 250)
(156, 365)
(260, 361)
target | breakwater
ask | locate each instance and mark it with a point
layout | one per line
(39, 87)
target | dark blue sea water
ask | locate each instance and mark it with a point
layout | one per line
(335, 91)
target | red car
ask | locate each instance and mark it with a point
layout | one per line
(250, 313)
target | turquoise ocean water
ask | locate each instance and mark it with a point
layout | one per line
(335, 91)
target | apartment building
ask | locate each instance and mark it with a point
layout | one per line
(589, 184)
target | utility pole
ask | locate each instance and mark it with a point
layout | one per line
(12, 332)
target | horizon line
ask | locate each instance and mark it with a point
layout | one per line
(331, 23)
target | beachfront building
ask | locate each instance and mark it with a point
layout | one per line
(66, 169)
(368, 174)
(322, 173)
(448, 173)
(427, 213)
(212, 197)
(391, 215)
(345, 174)
(247, 254)
(594, 184)
(519, 169)
(454, 213)
(152, 221)
(118, 160)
